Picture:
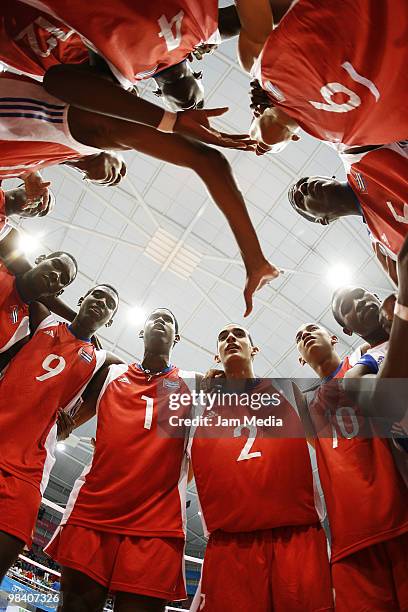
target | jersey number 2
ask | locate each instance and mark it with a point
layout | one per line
(245, 454)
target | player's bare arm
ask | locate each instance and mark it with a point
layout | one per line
(256, 24)
(212, 167)
(80, 86)
(87, 410)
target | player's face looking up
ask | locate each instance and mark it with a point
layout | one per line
(98, 306)
(234, 343)
(180, 88)
(52, 274)
(314, 343)
(160, 330)
(316, 198)
(356, 310)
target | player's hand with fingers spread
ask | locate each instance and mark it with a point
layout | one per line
(258, 275)
(65, 425)
(36, 190)
(195, 124)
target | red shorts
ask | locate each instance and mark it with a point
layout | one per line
(284, 570)
(150, 566)
(19, 505)
(373, 579)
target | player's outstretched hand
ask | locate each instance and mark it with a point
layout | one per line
(65, 425)
(195, 124)
(201, 50)
(36, 190)
(259, 99)
(257, 277)
(107, 168)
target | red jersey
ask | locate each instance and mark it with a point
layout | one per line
(14, 312)
(32, 41)
(34, 130)
(379, 180)
(136, 483)
(248, 480)
(366, 498)
(49, 373)
(4, 226)
(339, 69)
(138, 39)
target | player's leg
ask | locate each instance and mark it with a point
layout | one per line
(148, 572)
(80, 593)
(300, 570)
(129, 602)
(364, 581)
(235, 573)
(87, 557)
(19, 504)
(397, 549)
(10, 548)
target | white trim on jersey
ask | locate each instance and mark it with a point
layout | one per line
(100, 357)
(114, 371)
(49, 321)
(5, 230)
(50, 444)
(22, 331)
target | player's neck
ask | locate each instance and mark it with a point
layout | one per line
(377, 337)
(155, 362)
(24, 288)
(328, 366)
(81, 329)
(239, 370)
(347, 204)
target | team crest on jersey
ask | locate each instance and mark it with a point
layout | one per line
(13, 314)
(86, 354)
(49, 332)
(124, 379)
(275, 91)
(171, 384)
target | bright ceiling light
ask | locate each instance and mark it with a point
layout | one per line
(338, 276)
(61, 446)
(29, 243)
(137, 315)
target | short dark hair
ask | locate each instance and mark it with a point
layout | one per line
(176, 326)
(249, 336)
(115, 291)
(302, 213)
(334, 313)
(59, 254)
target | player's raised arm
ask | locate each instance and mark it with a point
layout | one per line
(215, 171)
(83, 88)
(256, 24)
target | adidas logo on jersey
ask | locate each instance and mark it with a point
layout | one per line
(50, 332)
(14, 314)
(85, 354)
(124, 379)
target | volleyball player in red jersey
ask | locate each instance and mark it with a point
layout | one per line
(376, 189)
(49, 374)
(35, 141)
(124, 525)
(341, 90)
(162, 34)
(266, 549)
(366, 498)
(45, 280)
